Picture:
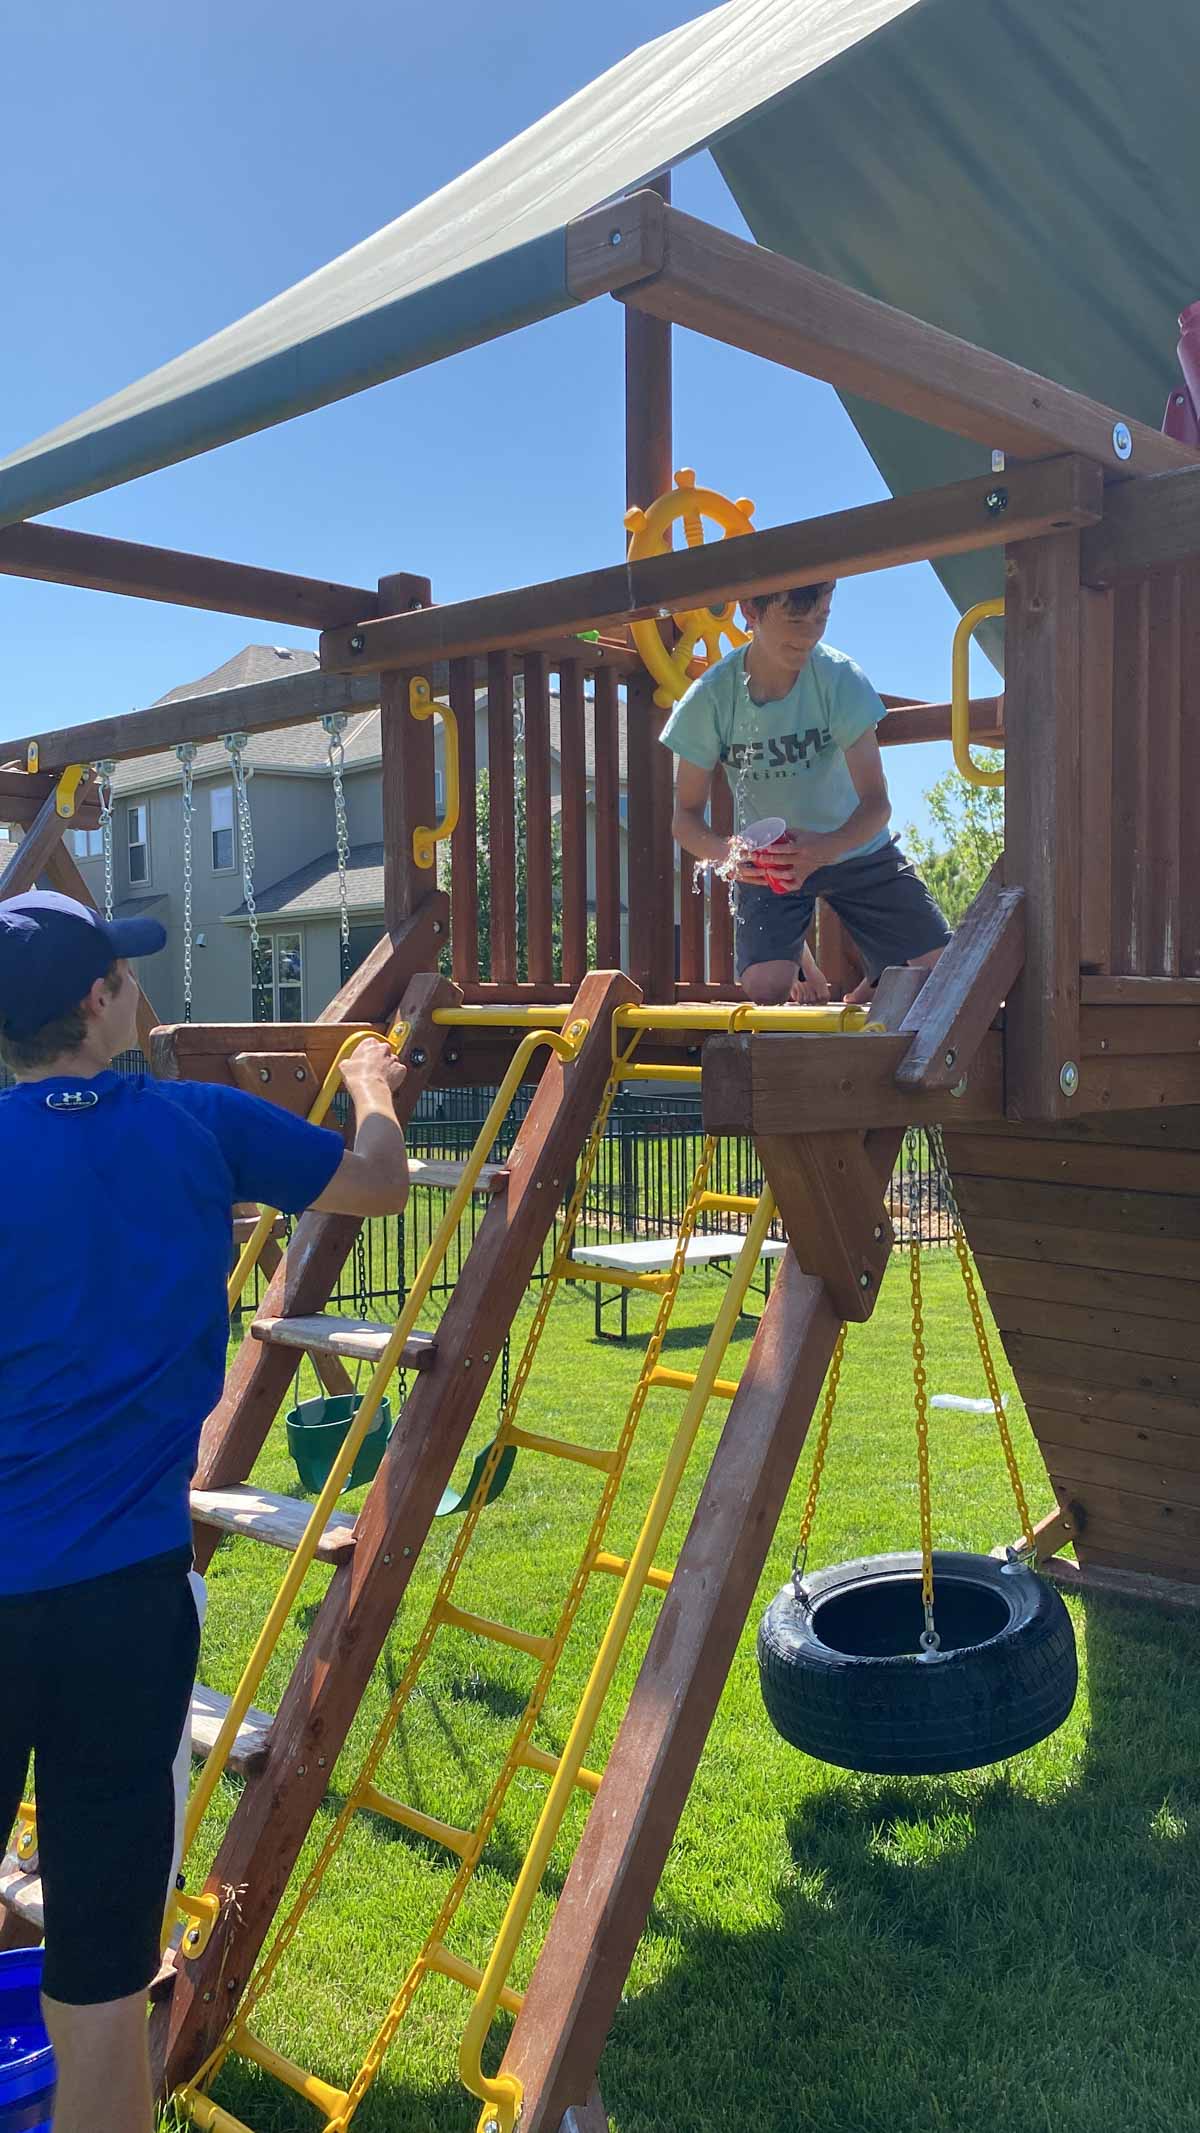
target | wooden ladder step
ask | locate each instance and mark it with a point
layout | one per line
(280, 1521)
(253, 1735)
(359, 1338)
(445, 1176)
(244, 1227)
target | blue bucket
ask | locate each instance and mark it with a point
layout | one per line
(26, 2059)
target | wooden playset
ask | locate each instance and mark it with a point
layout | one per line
(1056, 1045)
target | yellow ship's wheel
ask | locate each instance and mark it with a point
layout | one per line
(705, 633)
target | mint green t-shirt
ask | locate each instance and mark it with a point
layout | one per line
(787, 757)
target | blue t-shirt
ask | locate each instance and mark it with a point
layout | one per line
(115, 1249)
(787, 757)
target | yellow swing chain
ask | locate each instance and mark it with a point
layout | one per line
(929, 1637)
(942, 1168)
(800, 1557)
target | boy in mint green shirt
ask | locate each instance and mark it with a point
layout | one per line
(794, 723)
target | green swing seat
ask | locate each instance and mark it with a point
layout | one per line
(316, 1429)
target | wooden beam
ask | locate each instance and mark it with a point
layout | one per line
(1147, 525)
(831, 1206)
(59, 556)
(761, 1084)
(964, 515)
(262, 706)
(23, 792)
(908, 723)
(740, 293)
(1112, 1584)
(966, 988)
(408, 791)
(42, 839)
(1042, 822)
(577, 1982)
(276, 1809)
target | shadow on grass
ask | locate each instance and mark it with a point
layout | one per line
(946, 1953)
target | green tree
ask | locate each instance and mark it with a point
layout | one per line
(967, 839)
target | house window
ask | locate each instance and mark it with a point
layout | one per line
(139, 844)
(278, 994)
(362, 940)
(88, 844)
(221, 824)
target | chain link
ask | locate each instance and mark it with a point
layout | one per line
(187, 757)
(335, 726)
(104, 777)
(236, 744)
(800, 1558)
(937, 1149)
(929, 1636)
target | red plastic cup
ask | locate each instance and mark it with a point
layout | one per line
(760, 837)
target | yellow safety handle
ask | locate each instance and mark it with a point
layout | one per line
(67, 787)
(960, 694)
(422, 705)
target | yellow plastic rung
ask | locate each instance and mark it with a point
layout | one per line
(537, 1759)
(499, 1632)
(728, 1203)
(461, 1841)
(683, 1381)
(617, 1565)
(440, 1959)
(321, 2093)
(636, 1072)
(557, 1448)
(613, 1277)
(208, 2115)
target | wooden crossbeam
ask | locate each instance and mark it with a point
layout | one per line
(908, 724)
(769, 1084)
(59, 556)
(966, 988)
(741, 293)
(961, 516)
(832, 1211)
(22, 793)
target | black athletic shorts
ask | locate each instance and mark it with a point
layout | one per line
(879, 897)
(95, 1683)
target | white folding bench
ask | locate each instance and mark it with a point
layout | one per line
(644, 1262)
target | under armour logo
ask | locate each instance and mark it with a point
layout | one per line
(72, 1100)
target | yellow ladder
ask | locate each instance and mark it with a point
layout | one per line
(567, 1771)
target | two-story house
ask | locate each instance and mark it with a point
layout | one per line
(295, 872)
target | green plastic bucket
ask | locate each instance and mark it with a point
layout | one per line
(316, 1431)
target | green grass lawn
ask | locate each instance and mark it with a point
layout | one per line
(827, 1953)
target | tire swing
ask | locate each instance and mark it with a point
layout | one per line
(912, 1664)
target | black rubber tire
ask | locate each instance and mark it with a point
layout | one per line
(910, 1716)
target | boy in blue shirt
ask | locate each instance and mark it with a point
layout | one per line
(113, 1267)
(794, 723)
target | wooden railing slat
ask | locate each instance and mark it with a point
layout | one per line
(573, 775)
(502, 817)
(539, 893)
(607, 798)
(464, 855)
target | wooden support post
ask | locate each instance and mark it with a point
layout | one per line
(572, 1996)
(38, 844)
(408, 784)
(1042, 827)
(260, 1848)
(966, 988)
(649, 473)
(831, 1206)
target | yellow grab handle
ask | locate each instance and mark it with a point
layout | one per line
(67, 787)
(421, 704)
(960, 694)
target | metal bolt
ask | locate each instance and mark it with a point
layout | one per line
(614, 237)
(418, 1055)
(1068, 1077)
(1122, 440)
(492, 2125)
(437, 925)
(951, 1056)
(466, 1362)
(208, 1999)
(453, 1058)
(264, 1073)
(358, 642)
(1104, 1044)
(486, 1357)
(996, 501)
(997, 462)
(386, 1560)
(192, 1936)
(320, 1762)
(301, 1770)
(406, 1551)
(300, 1073)
(878, 1233)
(864, 1281)
(960, 1087)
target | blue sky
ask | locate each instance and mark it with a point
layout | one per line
(165, 170)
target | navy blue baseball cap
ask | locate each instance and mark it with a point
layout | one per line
(53, 949)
